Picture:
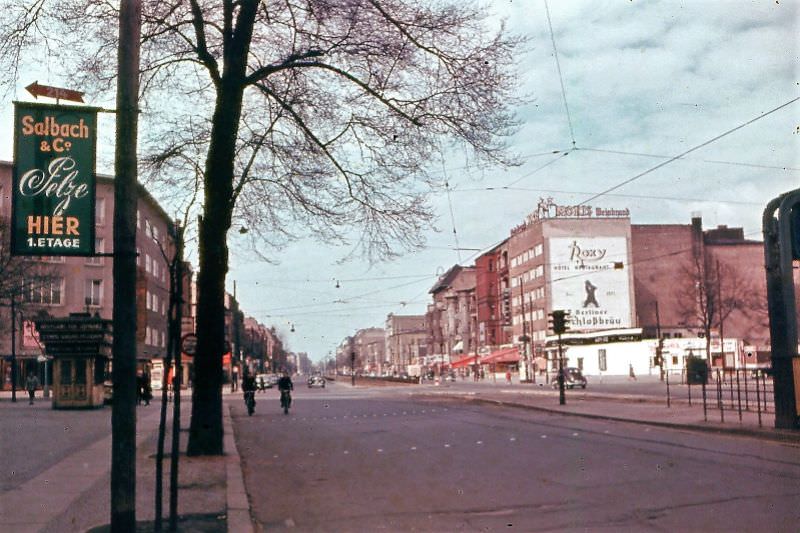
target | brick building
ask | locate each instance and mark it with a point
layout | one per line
(674, 264)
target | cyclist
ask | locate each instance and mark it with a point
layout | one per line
(249, 391)
(285, 385)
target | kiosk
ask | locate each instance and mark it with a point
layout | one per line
(81, 349)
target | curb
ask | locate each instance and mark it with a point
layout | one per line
(772, 435)
(238, 506)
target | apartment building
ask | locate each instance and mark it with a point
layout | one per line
(405, 341)
(63, 285)
(452, 319)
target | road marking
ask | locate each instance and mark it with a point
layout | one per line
(446, 445)
(479, 442)
(274, 456)
(512, 439)
(289, 522)
(544, 436)
(413, 448)
(380, 450)
(346, 452)
(311, 454)
(574, 434)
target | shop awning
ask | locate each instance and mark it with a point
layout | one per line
(466, 361)
(505, 355)
(458, 347)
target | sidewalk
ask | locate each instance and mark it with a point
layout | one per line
(73, 494)
(625, 408)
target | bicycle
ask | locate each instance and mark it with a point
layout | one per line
(250, 401)
(286, 401)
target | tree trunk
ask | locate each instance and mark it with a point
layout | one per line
(205, 432)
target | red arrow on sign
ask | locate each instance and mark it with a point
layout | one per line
(54, 92)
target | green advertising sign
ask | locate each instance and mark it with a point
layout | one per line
(53, 197)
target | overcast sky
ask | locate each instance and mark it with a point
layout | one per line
(650, 79)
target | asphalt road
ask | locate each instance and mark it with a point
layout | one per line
(376, 460)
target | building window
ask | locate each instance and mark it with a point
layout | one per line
(138, 219)
(148, 263)
(93, 293)
(138, 257)
(100, 211)
(601, 360)
(99, 247)
(43, 291)
(53, 259)
(155, 232)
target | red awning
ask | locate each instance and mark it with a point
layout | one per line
(506, 355)
(466, 361)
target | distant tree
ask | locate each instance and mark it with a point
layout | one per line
(708, 292)
(22, 278)
(314, 117)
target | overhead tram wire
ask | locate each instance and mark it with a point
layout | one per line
(690, 150)
(635, 196)
(537, 169)
(560, 76)
(450, 205)
(714, 161)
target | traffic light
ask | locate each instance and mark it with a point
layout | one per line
(559, 321)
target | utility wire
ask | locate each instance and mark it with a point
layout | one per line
(542, 167)
(450, 205)
(690, 150)
(639, 196)
(560, 77)
(716, 161)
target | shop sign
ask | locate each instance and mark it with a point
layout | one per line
(53, 195)
(547, 208)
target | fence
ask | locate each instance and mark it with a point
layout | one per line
(731, 392)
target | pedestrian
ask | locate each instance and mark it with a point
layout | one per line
(147, 389)
(631, 373)
(508, 376)
(31, 384)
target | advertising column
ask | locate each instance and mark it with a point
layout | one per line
(53, 197)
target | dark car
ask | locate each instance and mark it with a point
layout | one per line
(316, 381)
(572, 378)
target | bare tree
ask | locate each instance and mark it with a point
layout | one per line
(315, 117)
(710, 292)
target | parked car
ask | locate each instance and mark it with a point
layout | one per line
(316, 381)
(573, 377)
(263, 382)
